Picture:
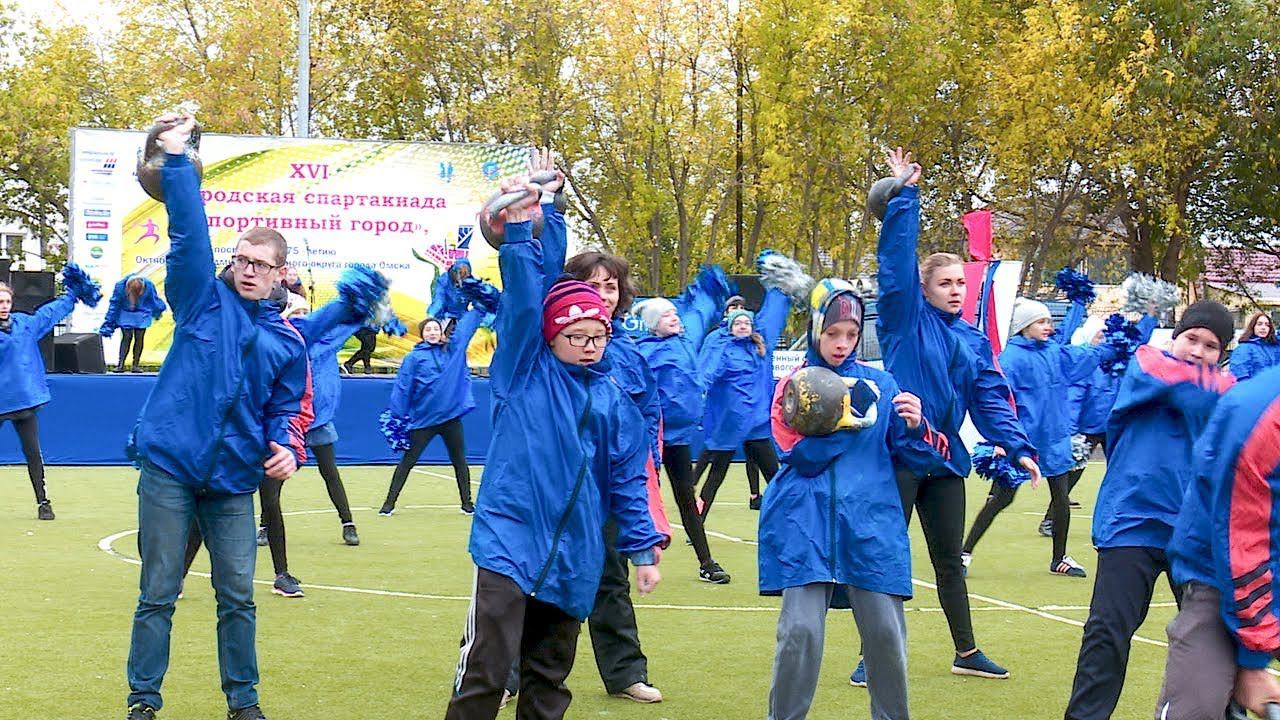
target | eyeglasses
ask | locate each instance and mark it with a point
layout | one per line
(261, 267)
(582, 341)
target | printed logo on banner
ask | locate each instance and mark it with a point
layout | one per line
(108, 167)
(97, 212)
(490, 170)
(95, 252)
(464, 236)
(96, 237)
(150, 231)
(96, 225)
(446, 171)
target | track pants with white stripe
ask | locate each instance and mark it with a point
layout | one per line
(505, 625)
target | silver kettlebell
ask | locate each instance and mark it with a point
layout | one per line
(151, 157)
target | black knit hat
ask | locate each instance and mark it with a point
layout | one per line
(1210, 315)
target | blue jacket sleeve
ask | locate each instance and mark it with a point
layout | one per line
(519, 324)
(1245, 361)
(699, 306)
(154, 304)
(1079, 361)
(813, 454)
(189, 266)
(288, 410)
(1146, 327)
(51, 313)
(333, 318)
(555, 245)
(1156, 377)
(772, 317)
(918, 449)
(466, 329)
(402, 392)
(628, 490)
(900, 301)
(992, 411)
(111, 320)
(1072, 322)
(439, 289)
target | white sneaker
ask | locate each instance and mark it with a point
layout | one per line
(966, 560)
(641, 693)
(506, 699)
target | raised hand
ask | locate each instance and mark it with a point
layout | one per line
(900, 162)
(174, 140)
(544, 159)
(519, 210)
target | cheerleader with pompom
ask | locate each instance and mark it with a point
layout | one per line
(23, 386)
(134, 305)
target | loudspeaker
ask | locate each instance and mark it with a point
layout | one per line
(750, 289)
(30, 289)
(78, 353)
(4, 270)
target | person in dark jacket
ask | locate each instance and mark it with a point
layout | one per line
(1257, 349)
(134, 305)
(432, 393)
(231, 406)
(934, 354)
(368, 337)
(1162, 408)
(24, 388)
(832, 520)
(1223, 556)
(568, 449)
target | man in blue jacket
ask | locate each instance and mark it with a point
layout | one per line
(230, 407)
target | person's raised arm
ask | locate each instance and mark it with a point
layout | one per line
(51, 313)
(519, 322)
(900, 301)
(189, 264)
(1070, 323)
(699, 306)
(772, 317)
(554, 238)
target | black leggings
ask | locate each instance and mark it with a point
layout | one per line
(28, 429)
(273, 521)
(1073, 477)
(451, 432)
(328, 464)
(135, 336)
(759, 451)
(677, 459)
(704, 460)
(940, 503)
(368, 338)
(1001, 496)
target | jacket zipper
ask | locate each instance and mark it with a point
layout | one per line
(573, 499)
(831, 539)
(217, 443)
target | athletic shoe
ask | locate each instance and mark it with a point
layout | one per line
(1067, 566)
(140, 711)
(1073, 503)
(44, 511)
(262, 536)
(253, 712)
(966, 559)
(978, 665)
(641, 693)
(1046, 528)
(386, 511)
(182, 585)
(468, 509)
(754, 502)
(288, 586)
(507, 697)
(713, 573)
(859, 676)
(349, 535)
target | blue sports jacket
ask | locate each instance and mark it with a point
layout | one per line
(1253, 356)
(568, 450)
(236, 376)
(1160, 412)
(936, 354)
(123, 314)
(739, 380)
(433, 384)
(447, 300)
(325, 331)
(1226, 535)
(22, 372)
(1092, 398)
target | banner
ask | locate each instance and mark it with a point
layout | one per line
(407, 209)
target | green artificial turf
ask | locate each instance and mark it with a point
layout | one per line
(381, 642)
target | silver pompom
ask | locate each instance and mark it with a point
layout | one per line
(1143, 291)
(781, 272)
(1080, 451)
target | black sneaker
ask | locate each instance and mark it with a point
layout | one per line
(468, 508)
(288, 586)
(140, 711)
(1046, 528)
(1068, 567)
(713, 573)
(253, 712)
(349, 535)
(386, 511)
(754, 502)
(262, 536)
(1073, 503)
(44, 511)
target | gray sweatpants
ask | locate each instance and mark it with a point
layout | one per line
(801, 631)
(1200, 673)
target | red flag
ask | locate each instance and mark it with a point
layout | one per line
(978, 225)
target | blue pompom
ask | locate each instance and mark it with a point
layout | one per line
(1124, 337)
(80, 285)
(395, 429)
(1077, 286)
(481, 294)
(394, 326)
(363, 288)
(997, 469)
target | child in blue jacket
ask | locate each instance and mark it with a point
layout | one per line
(832, 520)
(433, 392)
(1163, 405)
(448, 302)
(231, 406)
(677, 334)
(1257, 349)
(1041, 367)
(134, 305)
(24, 388)
(568, 450)
(1223, 556)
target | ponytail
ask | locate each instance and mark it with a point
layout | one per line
(758, 341)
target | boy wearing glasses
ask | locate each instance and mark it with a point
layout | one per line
(568, 451)
(231, 406)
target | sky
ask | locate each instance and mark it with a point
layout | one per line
(99, 14)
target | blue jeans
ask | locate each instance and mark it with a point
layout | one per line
(166, 508)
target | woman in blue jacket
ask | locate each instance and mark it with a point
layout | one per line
(1257, 348)
(678, 330)
(1041, 367)
(24, 388)
(832, 520)
(432, 393)
(567, 451)
(134, 305)
(946, 362)
(1164, 403)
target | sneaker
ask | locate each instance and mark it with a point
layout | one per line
(859, 676)
(641, 693)
(966, 559)
(288, 586)
(253, 712)
(1046, 528)
(754, 502)
(713, 573)
(468, 509)
(349, 535)
(507, 697)
(262, 536)
(140, 711)
(182, 586)
(386, 511)
(978, 665)
(1073, 503)
(1067, 566)
(44, 511)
